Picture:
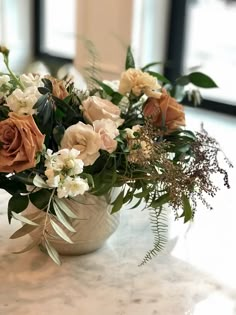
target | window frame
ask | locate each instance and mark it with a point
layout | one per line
(175, 54)
(52, 61)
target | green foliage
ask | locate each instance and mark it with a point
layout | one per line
(159, 226)
(17, 204)
(129, 62)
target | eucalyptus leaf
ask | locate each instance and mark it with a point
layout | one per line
(52, 252)
(61, 217)
(60, 232)
(39, 182)
(24, 230)
(23, 219)
(65, 209)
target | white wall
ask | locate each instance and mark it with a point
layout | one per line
(114, 24)
(15, 32)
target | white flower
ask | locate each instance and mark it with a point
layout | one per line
(72, 187)
(64, 160)
(52, 181)
(31, 80)
(4, 79)
(4, 85)
(22, 102)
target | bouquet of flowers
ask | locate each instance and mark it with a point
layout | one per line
(59, 142)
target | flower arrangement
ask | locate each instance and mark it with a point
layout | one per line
(59, 142)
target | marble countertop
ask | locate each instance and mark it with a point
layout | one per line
(194, 275)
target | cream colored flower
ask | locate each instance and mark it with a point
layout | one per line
(96, 108)
(22, 102)
(72, 187)
(83, 138)
(5, 85)
(31, 80)
(139, 82)
(107, 130)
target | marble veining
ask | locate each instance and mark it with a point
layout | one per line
(194, 275)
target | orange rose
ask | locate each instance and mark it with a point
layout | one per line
(165, 109)
(58, 88)
(20, 140)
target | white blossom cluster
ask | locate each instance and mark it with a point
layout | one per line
(5, 85)
(21, 101)
(62, 170)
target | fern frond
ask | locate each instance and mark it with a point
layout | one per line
(92, 71)
(159, 227)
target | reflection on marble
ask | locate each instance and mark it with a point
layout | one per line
(195, 275)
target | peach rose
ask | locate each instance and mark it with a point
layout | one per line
(166, 107)
(20, 140)
(58, 88)
(139, 82)
(83, 138)
(107, 130)
(96, 108)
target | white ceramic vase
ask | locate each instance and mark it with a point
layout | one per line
(95, 224)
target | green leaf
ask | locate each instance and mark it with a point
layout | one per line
(24, 230)
(187, 213)
(58, 132)
(183, 80)
(129, 62)
(52, 252)
(159, 76)
(105, 87)
(116, 98)
(60, 232)
(42, 90)
(118, 202)
(149, 65)
(39, 105)
(22, 218)
(12, 185)
(48, 84)
(160, 201)
(39, 182)
(65, 209)
(17, 204)
(62, 218)
(201, 80)
(40, 198)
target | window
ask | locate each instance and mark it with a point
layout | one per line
(201, 38)
(55, 28)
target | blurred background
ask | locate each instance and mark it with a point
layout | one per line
(69, 35)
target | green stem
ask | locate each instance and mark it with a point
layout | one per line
(13, 76)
